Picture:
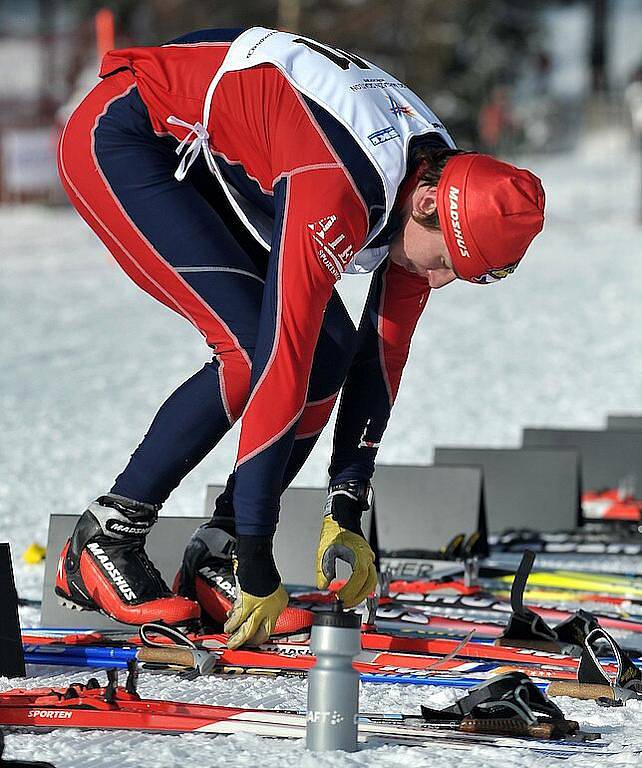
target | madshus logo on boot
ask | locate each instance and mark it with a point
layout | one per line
(212, 577)
(110, 569)
(129, 528)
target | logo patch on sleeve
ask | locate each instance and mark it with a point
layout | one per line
(333, 249)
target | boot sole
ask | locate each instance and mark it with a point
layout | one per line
(67, 603)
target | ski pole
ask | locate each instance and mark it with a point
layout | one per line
(69, 657)
(89, 651)
(57, 659)
(189, 658)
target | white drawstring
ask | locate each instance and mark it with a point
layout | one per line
(200, 143)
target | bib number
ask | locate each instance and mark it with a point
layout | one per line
(336, 56)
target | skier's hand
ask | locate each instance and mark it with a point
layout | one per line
(338, 543)
(260, 596)
(251, 620)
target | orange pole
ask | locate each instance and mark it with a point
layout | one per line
(104, 21)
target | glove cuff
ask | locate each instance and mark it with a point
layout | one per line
(345, 503)
(256, 570)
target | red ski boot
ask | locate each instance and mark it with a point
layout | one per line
(104, 566)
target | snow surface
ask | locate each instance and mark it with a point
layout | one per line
(87, 358)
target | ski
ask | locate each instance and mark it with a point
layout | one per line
(626, 607)
(619, 570)
(415, 568)
(486, 603)
(381, 655)
(586, 546)
(398, 617)
(482, 612)
(115, 708)
(374, 666)
(536, 596)
(406, 643)
(587, 534)
(457, 596)
(595, 582)
(543, 597)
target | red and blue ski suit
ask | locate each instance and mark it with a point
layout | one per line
(250, 257)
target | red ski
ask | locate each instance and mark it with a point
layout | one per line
(382, 655)
(92, 707)
(423, 598)
(427, 598)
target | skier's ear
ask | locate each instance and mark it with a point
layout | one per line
(424, 200)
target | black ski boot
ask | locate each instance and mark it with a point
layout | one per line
(104, 566)
(207, 573)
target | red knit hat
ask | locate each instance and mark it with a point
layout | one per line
(489, 212)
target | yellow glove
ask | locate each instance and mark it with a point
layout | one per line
(252, 619)
(337, 543)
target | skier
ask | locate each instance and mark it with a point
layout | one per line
(298, 162)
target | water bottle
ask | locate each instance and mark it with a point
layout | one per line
(333, 683)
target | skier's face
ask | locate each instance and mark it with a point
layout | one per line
(421, 250)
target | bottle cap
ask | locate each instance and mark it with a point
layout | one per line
(335, 616)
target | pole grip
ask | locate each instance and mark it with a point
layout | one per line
(178, 657)
(580, 690)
